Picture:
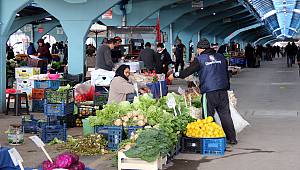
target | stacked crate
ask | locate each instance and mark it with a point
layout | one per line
(24, 84)
(84, 112)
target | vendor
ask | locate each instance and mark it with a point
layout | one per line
(148, 56)
(43, 51)
(103, 56)
(120, 86)
(214, 83)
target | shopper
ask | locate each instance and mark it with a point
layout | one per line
(43, 51)
(294, 52)
(116, 52)
(31, 49)
(148, 56)
(214, 80)
(120, 86)
(249, 54)
(289, 54)
(103, 56)
(298, 59)
(179, 54)
(163, 59)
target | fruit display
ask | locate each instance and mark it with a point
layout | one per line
(84, 111)
(204, 128)
(78, 122)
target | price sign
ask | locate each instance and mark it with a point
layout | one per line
(37, 141)
(15, 157)
(41, 145)
(171, 103)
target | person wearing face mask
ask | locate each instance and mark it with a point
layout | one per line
(164, 59)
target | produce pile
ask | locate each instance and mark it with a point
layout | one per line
(86, 146)
(64, 161)
(149, 145)
(204, 128)
(64, 93)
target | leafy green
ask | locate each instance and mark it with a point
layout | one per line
(150, 145)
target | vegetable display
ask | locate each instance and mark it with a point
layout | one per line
(85, 146)
(204, 128)
(150, 145)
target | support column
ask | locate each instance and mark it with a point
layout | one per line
(171, 40)
(2, 73)
(76, 44)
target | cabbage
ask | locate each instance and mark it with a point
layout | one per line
(64, 161)
(78, 166)
(47, 165)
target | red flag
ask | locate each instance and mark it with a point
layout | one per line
(158, 35)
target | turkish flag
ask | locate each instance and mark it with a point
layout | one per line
(158, 35)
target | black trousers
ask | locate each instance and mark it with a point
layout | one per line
(177, 63)
(218, 101)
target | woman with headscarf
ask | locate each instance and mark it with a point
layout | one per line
(120, 86)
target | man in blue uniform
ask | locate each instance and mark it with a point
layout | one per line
(214, 83)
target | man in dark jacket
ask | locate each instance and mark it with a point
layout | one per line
(179, 53)
(31, 50)
(103, 56)
(163, 59)
(147, 55)
(214, 80)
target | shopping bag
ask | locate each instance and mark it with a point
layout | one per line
(238, 121)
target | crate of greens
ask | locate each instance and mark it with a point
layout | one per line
(65, 94)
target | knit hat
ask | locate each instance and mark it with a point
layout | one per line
(40, 41)
(203, 44)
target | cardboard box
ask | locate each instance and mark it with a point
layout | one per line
(26, 72)
(25, 85)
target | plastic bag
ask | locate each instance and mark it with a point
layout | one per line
(238, 121)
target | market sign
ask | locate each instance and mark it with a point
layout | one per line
(197, 4)
(107, 14)
(40, 29)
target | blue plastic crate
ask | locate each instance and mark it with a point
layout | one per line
(61, 109)
(213, 146)
(49, 132)
(30, 125)
(240, 61)
(114, 135)
(47, 84)
(232, 61)
(132, 129)
(37, 105)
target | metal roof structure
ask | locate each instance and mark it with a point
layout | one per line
(282, 16)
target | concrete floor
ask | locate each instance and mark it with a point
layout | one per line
(268, 98)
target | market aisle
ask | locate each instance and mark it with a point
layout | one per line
(269, 98)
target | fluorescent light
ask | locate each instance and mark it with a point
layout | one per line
(202, 8)
(214, 13)
(17, 15)
(48, 18)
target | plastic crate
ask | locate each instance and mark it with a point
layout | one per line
(49, 132)
(213, 146)
(131, 130)
(38, 94)
(191, 145)
(100, 99)
(61, 109)
(37, 105)
(86, 111)
(47, 84)
(30, 125)
(68, 119)
(114, 135)
(53, 96)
